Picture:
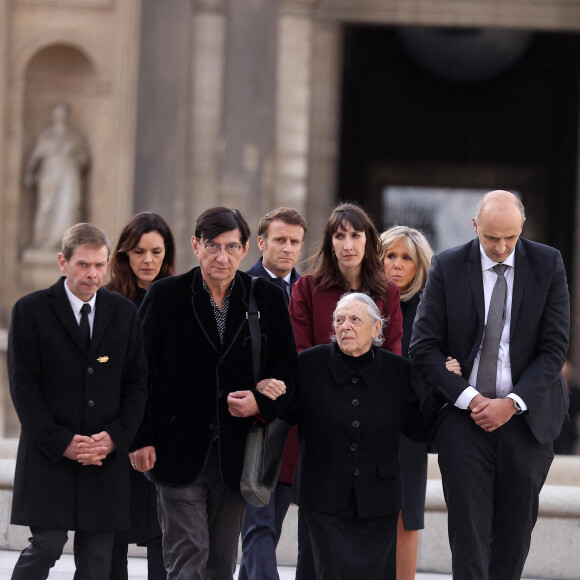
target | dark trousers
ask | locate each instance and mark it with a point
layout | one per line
(305, 564)
(491, 483)
(201, 524)
(260, 535)
(155, 566)
(92, 554)
(353, 548)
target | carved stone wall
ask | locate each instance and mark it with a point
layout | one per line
(84, 53)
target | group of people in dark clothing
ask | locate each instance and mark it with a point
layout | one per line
(376, 351)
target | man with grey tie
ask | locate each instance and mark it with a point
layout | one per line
(499, 305)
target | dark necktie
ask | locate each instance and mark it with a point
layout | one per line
(487, 371)
(84, 327)
(284, 285)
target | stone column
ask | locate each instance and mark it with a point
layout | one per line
(325, 126)
(207, 83)
(163, 118)
(293, 110)
(308, 115)
(249, 101)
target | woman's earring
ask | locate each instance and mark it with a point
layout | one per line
(333, 253)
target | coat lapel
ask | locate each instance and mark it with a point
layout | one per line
(64, 311)
(236, 314)
(521, 271)
(202, 310)
(476, 282)
(101, 321)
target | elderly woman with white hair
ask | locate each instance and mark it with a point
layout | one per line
(353, 401)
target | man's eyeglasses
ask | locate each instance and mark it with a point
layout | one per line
(232, 249)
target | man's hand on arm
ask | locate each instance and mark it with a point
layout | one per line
(272, 388)
(143, 459)
(243, 404)
(489, 414)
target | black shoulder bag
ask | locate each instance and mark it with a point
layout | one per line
(265, 444)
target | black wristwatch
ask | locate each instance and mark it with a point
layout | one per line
(517, 407)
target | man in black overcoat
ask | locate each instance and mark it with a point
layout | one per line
(78, 376)
(495, 442)
(203, 398)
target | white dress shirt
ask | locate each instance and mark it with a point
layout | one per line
(504, 383)
(77, 304)
(286, 278)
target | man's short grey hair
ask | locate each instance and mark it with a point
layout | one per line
(372, 309)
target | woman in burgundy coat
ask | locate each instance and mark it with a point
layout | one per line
(349, 259)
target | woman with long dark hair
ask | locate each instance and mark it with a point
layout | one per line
(349, 259)
(145, 252)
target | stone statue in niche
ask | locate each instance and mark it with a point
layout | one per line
(57, 168)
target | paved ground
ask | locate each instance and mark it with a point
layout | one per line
(64, 569)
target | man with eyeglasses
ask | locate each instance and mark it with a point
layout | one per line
(202, 394)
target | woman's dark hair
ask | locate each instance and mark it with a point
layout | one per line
(218, 220)
(327, 273)
(123, 279)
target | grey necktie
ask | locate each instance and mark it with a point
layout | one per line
(487, 371)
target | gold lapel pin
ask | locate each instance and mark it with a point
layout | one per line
(103, 359)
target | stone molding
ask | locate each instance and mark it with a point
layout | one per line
(532, 14)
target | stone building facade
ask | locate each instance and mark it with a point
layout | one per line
(192, 103)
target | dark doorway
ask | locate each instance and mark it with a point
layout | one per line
(408, 123)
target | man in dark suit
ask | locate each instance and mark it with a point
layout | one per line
(281, 234)
(203, 398)
(280, 238)
(78, 375)
(495, 442)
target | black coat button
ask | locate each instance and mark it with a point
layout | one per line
(354, 446)
(356, 471)
(220, 394)
(356, 379)
(355, 424)
(91, 403)
(91, 371)
(355, 402)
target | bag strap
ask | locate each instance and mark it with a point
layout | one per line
(253, 316)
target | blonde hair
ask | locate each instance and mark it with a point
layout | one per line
(419, 250)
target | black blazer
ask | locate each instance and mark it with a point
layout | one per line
(450, 321)
(349, 424)
(59, 391)
(191, 373)
(258, 270)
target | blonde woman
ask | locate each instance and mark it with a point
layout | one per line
(406, 255)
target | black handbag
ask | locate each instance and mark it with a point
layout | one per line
(265, 443)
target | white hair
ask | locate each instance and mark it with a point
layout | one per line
(372, 309)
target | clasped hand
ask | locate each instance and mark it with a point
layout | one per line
(489, 414)
(90, 450)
